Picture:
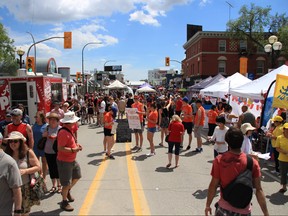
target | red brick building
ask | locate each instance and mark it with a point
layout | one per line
(209, 53)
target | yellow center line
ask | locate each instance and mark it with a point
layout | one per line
(89, 199)
(139, 200)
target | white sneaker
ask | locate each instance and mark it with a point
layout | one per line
(150, 154)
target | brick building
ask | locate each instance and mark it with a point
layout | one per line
(209, 53)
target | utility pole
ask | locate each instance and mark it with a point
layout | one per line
(230, 6)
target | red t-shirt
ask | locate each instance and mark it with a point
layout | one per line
(178, 106)
(226, 167)
(65, 138)
(176, 130)
(153, 115)
(212, 115)
(107, 119)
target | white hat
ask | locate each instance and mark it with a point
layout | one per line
(69, 117)
(247, 127)
(14, 135)
(16, 112)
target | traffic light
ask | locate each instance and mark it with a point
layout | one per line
(167, 61)
(30, 64)
(78, 77)
(67, 40)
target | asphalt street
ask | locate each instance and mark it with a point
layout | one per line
(134, 184)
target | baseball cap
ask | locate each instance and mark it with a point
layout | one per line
(8, 114)
(277, 118)
(285, 126)
(185, 99)
(246, 127)
(16, 112)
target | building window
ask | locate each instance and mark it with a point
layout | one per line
(260, 67)
(243, 45)
(222, 67)
(222, 45)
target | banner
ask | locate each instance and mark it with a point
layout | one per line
(280, 99)
(133, 118)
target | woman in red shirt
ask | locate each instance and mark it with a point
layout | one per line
(108, 136)
(176, 131)
(152, 118)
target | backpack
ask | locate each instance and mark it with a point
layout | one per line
(55, 144)
(239, 192)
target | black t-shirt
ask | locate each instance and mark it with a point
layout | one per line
(129, 103)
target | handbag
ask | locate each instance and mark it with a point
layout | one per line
(167, 138)
(41, 143)
(38, 186)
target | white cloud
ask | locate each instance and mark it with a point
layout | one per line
(143, 18)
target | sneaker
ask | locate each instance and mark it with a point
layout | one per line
(70, 197)
(181, 146)
(198, 150)
(66, 206)
(188, 147)
(139, 149)
(274, 172)
(150, 154)
(111, 157)
(134, 148)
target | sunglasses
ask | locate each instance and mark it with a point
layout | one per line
(13, 141)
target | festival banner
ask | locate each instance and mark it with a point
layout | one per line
(133, 118)
(280, 99)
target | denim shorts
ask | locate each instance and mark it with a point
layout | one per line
(151, 130)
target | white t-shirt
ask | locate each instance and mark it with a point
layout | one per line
(102, 107)
(246, 145)
(219, 136)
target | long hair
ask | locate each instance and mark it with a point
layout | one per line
(22, 150)
(42, 117)
(176, 118)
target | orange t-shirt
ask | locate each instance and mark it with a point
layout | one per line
(187, 109)
(139, 106)
(107, 119)
(153, 115)
(212, 115)
(200, 114)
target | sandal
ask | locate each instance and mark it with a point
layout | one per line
(52, 190)
(59, 189)
(168, 165)
(282, 190)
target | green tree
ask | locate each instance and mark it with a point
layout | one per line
(8, 63)
(255, 24)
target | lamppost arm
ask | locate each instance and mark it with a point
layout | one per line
(34, 51)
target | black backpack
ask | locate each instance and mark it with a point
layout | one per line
(55, 144)
(239, 192)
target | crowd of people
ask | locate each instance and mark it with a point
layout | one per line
(171, 114)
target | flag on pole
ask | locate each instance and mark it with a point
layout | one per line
(280, 99)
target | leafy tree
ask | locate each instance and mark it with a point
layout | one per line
(256, 24)
(8, 64)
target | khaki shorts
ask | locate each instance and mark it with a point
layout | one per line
(68, 171)
(198, 131)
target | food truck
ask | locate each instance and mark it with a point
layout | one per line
(35, 92)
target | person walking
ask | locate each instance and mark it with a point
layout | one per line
(226, 168)
(10, 184)
(282, 148)
(211, 115)
(247, 130)
(38, 129)
(69, 169)
(199, 124)
(108, 136)
(152, 118)
(187, 120)
(28, 164)
(175, 133)
(164, 119)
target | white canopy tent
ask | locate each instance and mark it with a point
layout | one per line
(117, 85)
(145, 89)
(258, 87)
(222, 88)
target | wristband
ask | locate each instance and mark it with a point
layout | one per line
(18, 211)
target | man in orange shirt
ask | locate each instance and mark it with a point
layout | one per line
(199, 123)
(212, 115)
(187, 120)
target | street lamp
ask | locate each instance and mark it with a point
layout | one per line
(20, 52)
(83, 78)
(274, 47)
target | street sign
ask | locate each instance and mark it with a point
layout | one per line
(113, 68)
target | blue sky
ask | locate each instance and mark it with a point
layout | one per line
(136, 34)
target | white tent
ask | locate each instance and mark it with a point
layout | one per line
(117, 85)
(145, 89)
(258, 87)
(222, 88)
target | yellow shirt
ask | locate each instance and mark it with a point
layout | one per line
(282, 142)
(276, 132)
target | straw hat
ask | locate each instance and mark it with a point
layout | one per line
(69, 117)
(14, 135)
